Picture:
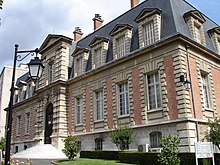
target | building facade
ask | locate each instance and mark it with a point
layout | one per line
(5, 85)
(126, 73)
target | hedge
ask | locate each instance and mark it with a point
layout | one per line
(108, 155)
(142, 158)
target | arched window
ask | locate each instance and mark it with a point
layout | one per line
(98, 144)
(155, 138)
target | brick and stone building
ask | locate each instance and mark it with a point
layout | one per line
(126, 72)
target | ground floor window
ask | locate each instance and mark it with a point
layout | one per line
(98, 144)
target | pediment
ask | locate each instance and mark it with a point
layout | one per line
(120, 27)
(214, 30)
(97, 40)
(79, 50)
(51, 40)
(147, 12)
(195, 14)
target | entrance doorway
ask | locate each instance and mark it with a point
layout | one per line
(48, 124)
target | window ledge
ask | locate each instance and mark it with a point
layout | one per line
(155, 110)
(209, 109)
(99, 121)
(79, 124)
(124, 116)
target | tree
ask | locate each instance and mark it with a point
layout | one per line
(70, 147)
(122, 137)
(2, 143)
(1, 2)
(214, 133)
(168, 155)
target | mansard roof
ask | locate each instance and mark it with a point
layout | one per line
(173, 23)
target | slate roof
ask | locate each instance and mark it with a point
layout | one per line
(172, 22)
(22, 78)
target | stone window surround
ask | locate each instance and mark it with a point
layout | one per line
(18, 125)
(84, 55)
(27, 122)
(95, 105)
(78, 121)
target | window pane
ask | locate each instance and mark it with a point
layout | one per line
(206, 92)
(123, 99)
(121, 46)
(99, 105)
(149, 33)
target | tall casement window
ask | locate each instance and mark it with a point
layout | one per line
(98, 57)
(155, 138)
(198, 33)
(28, 91)
(154, 91)
(121, 46)
(149, 33)
(98, 144)
(27, 122)
(79, 66)
(79, 110)
(79, 145)
(218, 45)
(99, 105)
(18, 125)
(123, 99)
(206, 90)
(51, 72)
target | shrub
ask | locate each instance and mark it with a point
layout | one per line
(108, 155)
(168, 155)
(70, 147)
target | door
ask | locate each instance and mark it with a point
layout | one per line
(48, 124)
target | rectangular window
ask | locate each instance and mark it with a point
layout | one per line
(79, 110)
(198, 35)
(99, 105)
(18, 125)
(206, 91)
(51, 73)
(98, 57)
(79, 146)
(79, 66)
(27, 122)
(154, 91)
(149, 33)
(121, 46)
(218, 46)
(123, 99)
(28, 91)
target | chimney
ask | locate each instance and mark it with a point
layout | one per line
(134, 3)
(77, 34)
(97, 21)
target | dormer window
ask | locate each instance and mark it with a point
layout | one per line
(80, 57)
(195, 21)
(99, 46)
(149, 26)
(121, 46)
(121, 34)
(215, 36)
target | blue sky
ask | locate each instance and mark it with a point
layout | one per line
(27, 22)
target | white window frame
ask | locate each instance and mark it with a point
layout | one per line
(18, 125)
(27, 122)
(206, 91)
(154, 99)
(98, 104)
(155, 138)
(198, 33)
(121, 46)
(79, 110)
(149, 33)
(79, 66)
(123, 99)
(98, 57)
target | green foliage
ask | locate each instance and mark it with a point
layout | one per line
(1, 2)
(122, 137)
(214, 133)
(70, 147)
(2, 143)
(107, 155)
(169, 153)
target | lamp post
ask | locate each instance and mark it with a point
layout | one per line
(35, 70)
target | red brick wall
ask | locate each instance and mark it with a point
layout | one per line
(216, 82)
(196, 89)
(88, 125)
(136, 95)
(109, 104)
(171, 90)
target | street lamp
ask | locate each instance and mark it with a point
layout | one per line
(185, 81)
(35, 70)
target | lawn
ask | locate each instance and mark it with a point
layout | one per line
(83, 161)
